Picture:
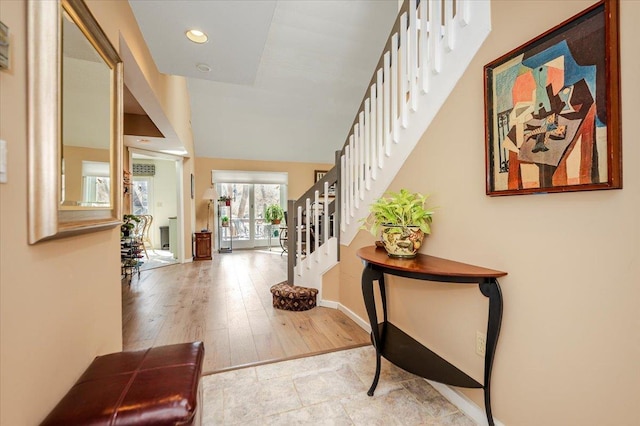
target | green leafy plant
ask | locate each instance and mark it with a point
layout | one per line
(273, 213)
(224, 220)
(402, 209)
(129, 221)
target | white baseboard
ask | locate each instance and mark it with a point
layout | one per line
(348, 312)
(464, 404)
(328, 304)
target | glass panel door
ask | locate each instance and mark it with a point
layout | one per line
(141, 200)
(248, 203)
(264, 196)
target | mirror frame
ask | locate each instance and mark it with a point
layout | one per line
(47, 220)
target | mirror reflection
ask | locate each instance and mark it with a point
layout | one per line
(86, 122)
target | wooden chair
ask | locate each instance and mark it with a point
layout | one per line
(138, 230)
(145, 233)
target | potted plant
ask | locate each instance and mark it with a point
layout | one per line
(403, 219)
(129, 221)
(224, 220)
(274, 214)
(225, 199)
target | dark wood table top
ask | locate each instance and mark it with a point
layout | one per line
(425, 264)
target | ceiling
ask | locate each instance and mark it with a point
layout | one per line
(287, 76)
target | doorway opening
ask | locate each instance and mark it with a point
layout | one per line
(156, 194)
(251, 193)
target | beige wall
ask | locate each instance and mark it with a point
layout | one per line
(73, 157)
(569, 349)
(60, 302)
(300, 177)
(117, 20)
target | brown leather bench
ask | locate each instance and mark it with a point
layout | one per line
(156, 386)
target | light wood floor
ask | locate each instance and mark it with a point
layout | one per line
(226, 303)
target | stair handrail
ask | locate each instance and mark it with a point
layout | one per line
(331, 179)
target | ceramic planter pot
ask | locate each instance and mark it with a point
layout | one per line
(402, 242)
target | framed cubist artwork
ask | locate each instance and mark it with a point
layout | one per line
(552, 109)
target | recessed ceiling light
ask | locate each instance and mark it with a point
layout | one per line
(197, 36)
(203, 68)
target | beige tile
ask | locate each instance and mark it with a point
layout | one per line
(328, 389)
(397, 407)
(254, 400)
(213, 407)
(435, 403)
(324, 385)
(230, 378)
(326, 413)
(455, 419)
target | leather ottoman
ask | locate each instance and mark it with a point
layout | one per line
(156, 386)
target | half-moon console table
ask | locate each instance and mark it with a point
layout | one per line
(404, 351)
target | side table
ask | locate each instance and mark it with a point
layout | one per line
(203, 246)
(404, 351)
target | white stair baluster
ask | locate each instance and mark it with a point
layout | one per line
(299, 245)
(325, 220)
(367, 146)
(425, 69)
(403, 75)
(343, 184)
(449, 28)
(394, 87)
(387, 106)
(316, 228)
(307, 229)
(374, 132)
(413, 55)
(361, 179)
(355, 158)
(347, 183)
(435, 32)
(464, 9)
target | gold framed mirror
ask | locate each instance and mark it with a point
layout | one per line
(75, 85)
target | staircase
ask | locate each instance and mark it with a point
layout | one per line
(431, 45)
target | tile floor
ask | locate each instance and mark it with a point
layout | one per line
(157, 258)
(329, 389)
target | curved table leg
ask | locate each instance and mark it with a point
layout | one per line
(491, 289)
(369, 275)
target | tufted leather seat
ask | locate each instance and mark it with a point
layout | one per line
(156, 386)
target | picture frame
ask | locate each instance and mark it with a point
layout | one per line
(552, 109)
(318, 174)
(56, 207)
(193, 186)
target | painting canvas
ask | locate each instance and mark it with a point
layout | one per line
(552, 109)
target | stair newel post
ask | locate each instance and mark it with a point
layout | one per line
(291, 240)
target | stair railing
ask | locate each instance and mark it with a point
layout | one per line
(313, 219)
(429, 37)
(428, 50)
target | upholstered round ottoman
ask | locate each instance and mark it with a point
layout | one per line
(293, 297)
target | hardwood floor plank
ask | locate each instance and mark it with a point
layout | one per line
(291, 341)
(226, 303)
(268, 346)
(216, 350)
(242, 347)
